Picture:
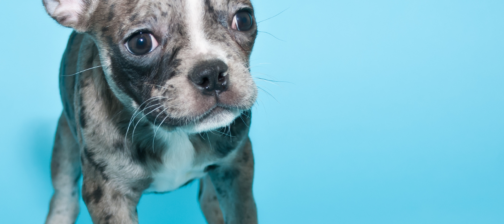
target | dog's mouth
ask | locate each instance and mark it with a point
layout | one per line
(191, 111)
(214, 118)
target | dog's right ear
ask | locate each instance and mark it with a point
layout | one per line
(69, 13)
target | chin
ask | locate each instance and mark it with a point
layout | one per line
(217, 118)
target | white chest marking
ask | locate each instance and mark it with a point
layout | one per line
(178, 164)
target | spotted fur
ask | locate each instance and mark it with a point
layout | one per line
(136, 124)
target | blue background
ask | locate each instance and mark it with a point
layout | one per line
(385, 112)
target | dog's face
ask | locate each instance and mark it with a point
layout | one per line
(185, 63)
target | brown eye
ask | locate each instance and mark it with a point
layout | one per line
(141, 43)
(242, 21)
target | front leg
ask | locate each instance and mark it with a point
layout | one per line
(109, 202)
(233, 185)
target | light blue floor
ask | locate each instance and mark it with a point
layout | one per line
(387, 112)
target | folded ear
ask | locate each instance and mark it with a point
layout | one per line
(69, 13)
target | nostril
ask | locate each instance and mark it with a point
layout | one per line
(222, 78)
(205, 83)
(210, 76)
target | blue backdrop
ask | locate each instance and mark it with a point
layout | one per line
(384, 112)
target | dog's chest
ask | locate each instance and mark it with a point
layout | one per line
(178, 164)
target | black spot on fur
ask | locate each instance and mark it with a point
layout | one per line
(211, 167)
(94, 196)
(97, 194)
(129, 76)
(145, 154)
(107, 218)
(245, 157)
(229, 176)
(100, 167)
(221, 192)
(209, 7)
(224, 179)
(115, 196)
(225, 146)
(82, 116)
(111, 13)
(180, 29)
(131, 8)
(136, 79)
(133, 17)
(119, 145)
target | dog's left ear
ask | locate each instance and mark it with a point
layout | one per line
(69, 13)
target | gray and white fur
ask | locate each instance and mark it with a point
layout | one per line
(134, 124)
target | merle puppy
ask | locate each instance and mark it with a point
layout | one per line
(156, 93)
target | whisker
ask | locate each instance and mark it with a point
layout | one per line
(140, 106)
(165, 109)
(244, 120)
(85, 70)
(273, 16)
(271, 80)
(258, 65)
(222, 133)
(147, 101)
(272, 36)
(137, 112)
(133, 133)
(209, 143)
(141, 111)
(258, 105)
(274, 82)
(162, 87)
(155, 131)
(248, 116)
(268, 81)
(267, 93)
(229, 131)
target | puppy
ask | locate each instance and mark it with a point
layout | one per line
(156, 93)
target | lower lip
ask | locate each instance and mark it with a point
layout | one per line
(214, 111)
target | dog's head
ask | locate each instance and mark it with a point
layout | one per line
(185, 63)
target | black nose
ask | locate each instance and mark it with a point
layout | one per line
(210, 76)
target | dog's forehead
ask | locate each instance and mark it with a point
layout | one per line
(133, 10)
(117, 19)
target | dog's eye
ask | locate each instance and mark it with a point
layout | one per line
(242, 21)
(141, 43)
